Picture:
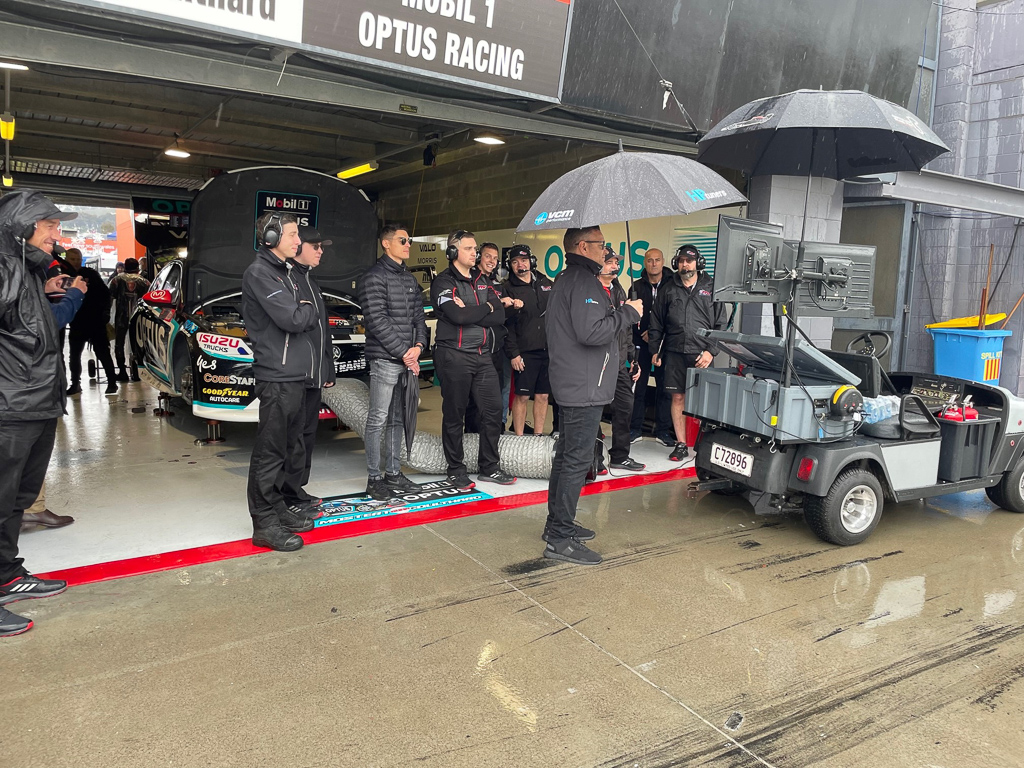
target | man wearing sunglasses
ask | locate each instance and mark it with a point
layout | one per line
(396, 333)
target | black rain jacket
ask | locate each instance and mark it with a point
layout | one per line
(319, 336)
(680, 312)
(469, 328)
(645, 290)
(526, 326)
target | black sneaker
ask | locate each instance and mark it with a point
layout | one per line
(497, 476)
(296, 522)
(583, 534)
(462, 481)
(571, 551)
(635, 437)
(12, 624)
(680, 453)
(305, 509)
(668, 441)
(74, 389)
(628, 464)
(111, 388)
(377, 488)
(28, 587)
(401, 483)
(276, 538)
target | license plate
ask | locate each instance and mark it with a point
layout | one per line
(735, 461)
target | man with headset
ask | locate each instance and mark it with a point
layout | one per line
(468, 310)
(277, 318)
(683, 307)
(527, 345)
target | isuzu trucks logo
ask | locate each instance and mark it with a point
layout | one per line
(223, 346)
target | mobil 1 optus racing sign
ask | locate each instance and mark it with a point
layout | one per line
(515, 46)
(302, 207)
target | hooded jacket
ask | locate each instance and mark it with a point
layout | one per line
(468, 328)
(392, 304)
(526, 326)
(319, 336)
(276, 321)
(680, 312)
(32, 382)
(583, 328)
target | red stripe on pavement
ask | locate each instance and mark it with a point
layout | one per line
(186, 558)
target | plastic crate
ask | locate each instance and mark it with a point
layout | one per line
(965, 354)
(966, 448)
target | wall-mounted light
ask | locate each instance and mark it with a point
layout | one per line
(11, 65)
(357, 170)
(489, 139)
(7, 126)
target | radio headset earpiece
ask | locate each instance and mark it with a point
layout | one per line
(452, 251)
(271, 234)
(701, 263)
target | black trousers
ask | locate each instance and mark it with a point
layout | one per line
(574, 455)
(472, 420)
(294, 480)
(279, 450)
(622, 415)
(25, 448)
(465, 375)
(662, 412)
(100, 343)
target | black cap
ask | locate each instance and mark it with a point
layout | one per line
(688, 251)
(609, 254)
(310, 235)
(521, 251)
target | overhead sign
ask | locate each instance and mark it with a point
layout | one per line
(509, 45)
(161, 225)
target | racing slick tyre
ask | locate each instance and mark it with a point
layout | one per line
(1009, 493)
(849, 512)
(184, 378)
(733, 490)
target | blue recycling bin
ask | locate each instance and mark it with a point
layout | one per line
(967, 354)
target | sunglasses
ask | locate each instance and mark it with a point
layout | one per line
(405, 241)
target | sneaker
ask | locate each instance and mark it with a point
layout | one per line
(74, 389)
(497, 476)
(377, 488)
(276, 538)
(628, 464)
(635, 437)
(12, 624)
(669, 441)
(571, 551)
(583, 534)
(680, 453)
(111, 388)
(401, 483)
(28, 587)
(305, 509)
(461, 481)
(122, 376)
(296, 522)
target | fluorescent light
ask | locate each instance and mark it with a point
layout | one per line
(10, 65)
(489, 138)
(175, 152)
(357, 170)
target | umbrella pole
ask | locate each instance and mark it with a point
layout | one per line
(629, 257)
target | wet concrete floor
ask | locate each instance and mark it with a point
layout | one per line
(708, 637)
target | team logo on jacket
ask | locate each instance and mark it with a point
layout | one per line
(703, 292)
(545, 287)
(443, 296)
(591, 301)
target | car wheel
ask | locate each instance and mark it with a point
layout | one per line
(733, 490)
(995, 494)
(1011, 489)
(850, 510)
(185, 377)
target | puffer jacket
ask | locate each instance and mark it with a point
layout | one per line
(32, 382)
(526, 326)
(319, 336)
(392, 304)
(680, 312)
(468, 328)
(275, 320)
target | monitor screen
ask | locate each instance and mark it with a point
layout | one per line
(748, 262)
(824, 298)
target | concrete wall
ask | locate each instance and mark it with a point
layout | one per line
(980, 116)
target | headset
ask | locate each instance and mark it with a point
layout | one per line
(271, 234)
(452, 251)
(689, 249)
(518, 252)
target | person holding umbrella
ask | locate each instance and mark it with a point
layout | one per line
(583, 328)
(683, 307)
(396, 334)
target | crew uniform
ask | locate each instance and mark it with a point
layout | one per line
(527, 335)
(679, 313)
(497, 357)
(465, 342)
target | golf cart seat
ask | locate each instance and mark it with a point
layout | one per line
(913, 422)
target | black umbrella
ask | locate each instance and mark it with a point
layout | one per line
(835, 134)
(628, 186)
(411, 402)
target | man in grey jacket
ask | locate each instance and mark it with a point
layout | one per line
(277, 318)
(583, 327)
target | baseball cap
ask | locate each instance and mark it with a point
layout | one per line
(310, 235)
(609, 254)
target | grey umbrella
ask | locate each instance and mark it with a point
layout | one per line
(628, 186)
(411, 400)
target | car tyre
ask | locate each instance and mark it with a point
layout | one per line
(849, 512)
(1009, 494)
(184, 376)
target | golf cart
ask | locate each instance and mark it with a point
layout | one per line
(788, 426)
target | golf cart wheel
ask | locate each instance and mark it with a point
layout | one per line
(1009, 494)
(849, 512)
(733, 490)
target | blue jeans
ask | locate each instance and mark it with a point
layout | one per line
(384, 418)
(574, 454)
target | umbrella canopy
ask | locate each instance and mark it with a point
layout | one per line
(411, 401)
(628, 186)
(833, 134)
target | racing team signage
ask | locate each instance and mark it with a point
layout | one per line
(509, 45)
(305, 208)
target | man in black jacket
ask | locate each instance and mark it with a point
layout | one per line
(527, 344)
(32, 380)
(90, 325)
(396, 334)
(277, 320)
(468, 310)
(321, 374)
(652, 279)
(583, 328)
(684, 306)
(126, 290)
